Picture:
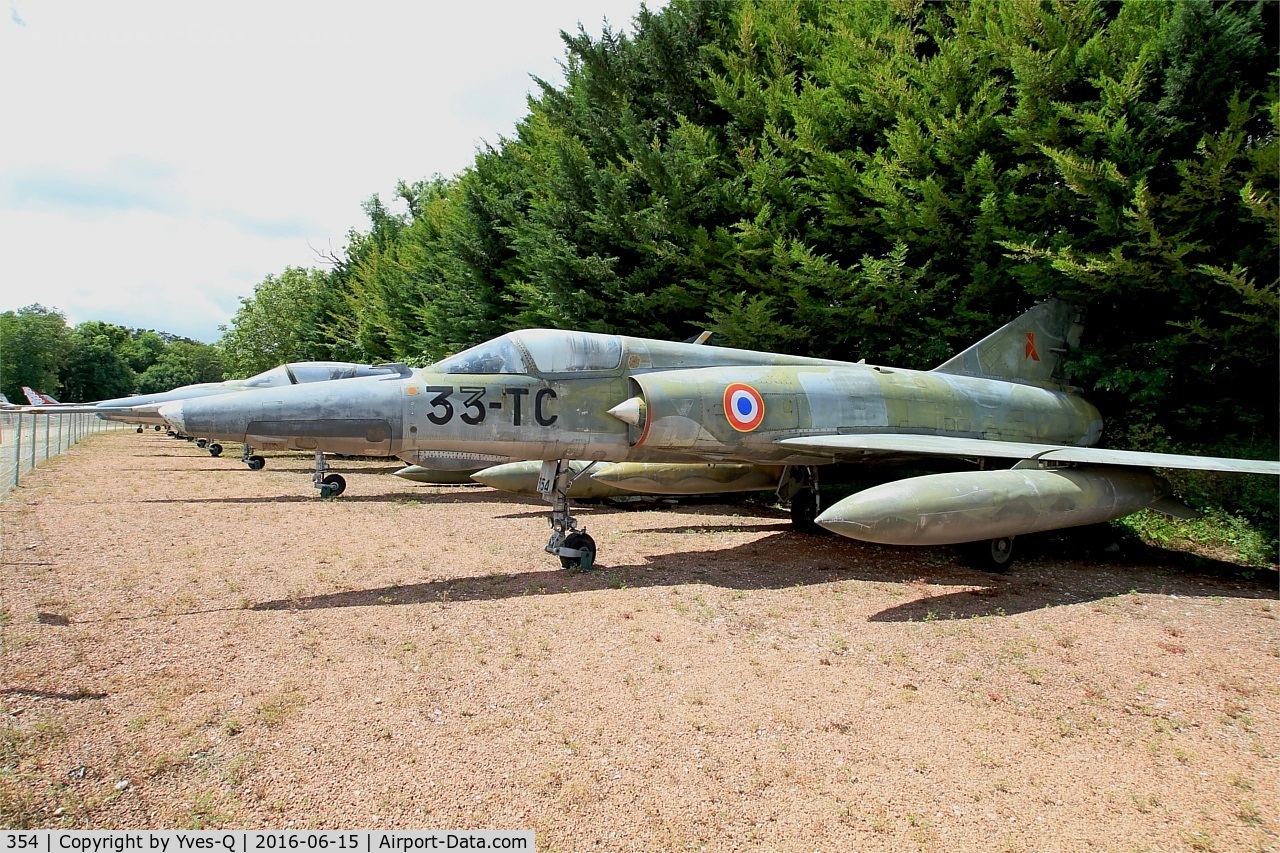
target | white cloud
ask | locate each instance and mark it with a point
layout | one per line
(160, 159)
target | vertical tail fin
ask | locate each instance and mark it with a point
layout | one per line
(36, 398)
(1028, 350)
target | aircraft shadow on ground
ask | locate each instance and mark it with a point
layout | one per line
(1039, 581)
(181, 456)
(467, 496)
(50, 694)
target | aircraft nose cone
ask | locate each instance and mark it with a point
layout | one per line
(172, 414)
(630, 411)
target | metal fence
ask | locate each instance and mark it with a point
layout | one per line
(26, 440)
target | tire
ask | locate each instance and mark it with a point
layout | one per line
(202, 443)
(332, 485)
(804, 509)
(585, 561)
(256, 463)
(215, 449)
(991, 555)
(139, 430)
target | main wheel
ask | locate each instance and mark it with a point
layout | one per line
(139, 430)
(804, 509)
(586, 546)
(332, 485)
(215, 449)
(202, 443)
(992, 555)
(158, 427)
(255, 462)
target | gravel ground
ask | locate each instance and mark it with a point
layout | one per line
(188, 644)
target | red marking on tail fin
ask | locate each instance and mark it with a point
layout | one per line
(1031, 347)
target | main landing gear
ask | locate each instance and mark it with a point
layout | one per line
(574, 547)
(330, 485)
(800, 486)
(990, 555)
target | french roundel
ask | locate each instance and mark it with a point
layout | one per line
(743, 406)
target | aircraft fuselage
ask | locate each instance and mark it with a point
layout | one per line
(650, 401)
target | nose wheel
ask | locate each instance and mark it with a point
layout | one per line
(252, 461)
(330, 485)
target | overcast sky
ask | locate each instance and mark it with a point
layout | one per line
(159, 159)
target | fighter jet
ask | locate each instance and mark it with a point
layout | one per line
(1001, 406)
(142, 409)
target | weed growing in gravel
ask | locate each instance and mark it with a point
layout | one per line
(204, 812)
(1248, 813)
(14, 642)
(237, 769)
(1200, 839)
(273, 712)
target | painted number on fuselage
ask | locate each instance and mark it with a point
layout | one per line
(474, 409)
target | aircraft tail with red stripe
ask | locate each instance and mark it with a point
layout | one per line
(36, 398)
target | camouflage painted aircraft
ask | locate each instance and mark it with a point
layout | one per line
(554, 396)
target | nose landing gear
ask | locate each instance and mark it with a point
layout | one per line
(253, 461)
(574, 547)
(330, 485)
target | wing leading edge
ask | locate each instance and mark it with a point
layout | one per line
(851, 447)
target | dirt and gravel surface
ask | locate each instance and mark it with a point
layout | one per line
(188, 644)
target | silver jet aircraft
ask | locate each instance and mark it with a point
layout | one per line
(555, 396)
(142, 409)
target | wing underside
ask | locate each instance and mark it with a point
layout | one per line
(848, 448)
(75, 409)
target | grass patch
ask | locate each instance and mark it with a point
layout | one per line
(1218, 535)
(274, 711)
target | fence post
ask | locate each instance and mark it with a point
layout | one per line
(47, 418)
(17, 454)
(33, 442)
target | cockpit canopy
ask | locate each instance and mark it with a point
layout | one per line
(540, 351)
(303, 372)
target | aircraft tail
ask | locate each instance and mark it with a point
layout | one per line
(1028, 350)
(35, 398)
